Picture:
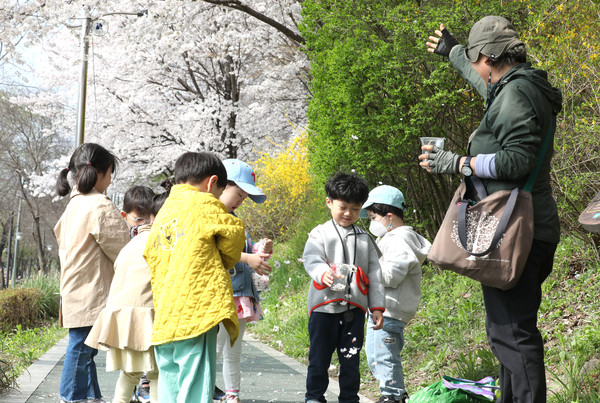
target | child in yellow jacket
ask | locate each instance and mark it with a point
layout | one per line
(193, 243)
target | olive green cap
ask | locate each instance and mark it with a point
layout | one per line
(491, 36)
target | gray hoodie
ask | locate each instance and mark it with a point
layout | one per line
(325, 248)
(403, 253)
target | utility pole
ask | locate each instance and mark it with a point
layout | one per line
(86, 27)
(84, 47)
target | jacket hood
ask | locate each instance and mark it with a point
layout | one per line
(537, 77)
(416, 242)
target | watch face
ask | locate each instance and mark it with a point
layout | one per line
(466, 171)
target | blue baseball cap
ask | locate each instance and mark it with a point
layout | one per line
(243, 176)
(383, 194)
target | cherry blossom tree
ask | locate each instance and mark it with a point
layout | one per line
(29, 143)
(221, 76)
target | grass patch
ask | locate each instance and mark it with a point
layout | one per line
(447, 336)
(21, 347)
(49, 286)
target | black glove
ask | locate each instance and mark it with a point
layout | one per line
(443, 162)
(446, 43)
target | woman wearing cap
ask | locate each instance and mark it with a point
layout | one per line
(521, 108)
(240, 185)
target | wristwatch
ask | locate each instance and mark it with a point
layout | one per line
(466, 169)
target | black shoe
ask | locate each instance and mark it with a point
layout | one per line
(134, 396)
(218, 394)
(387, 399)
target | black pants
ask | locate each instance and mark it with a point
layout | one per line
(329, 332)
(512, 331)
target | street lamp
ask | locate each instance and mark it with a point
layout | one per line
(49, 249)
(86, 26)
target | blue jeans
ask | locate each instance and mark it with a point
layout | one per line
(383, 349)
(79, 381)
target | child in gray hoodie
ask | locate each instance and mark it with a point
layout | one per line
(403, 253)
(337, 315)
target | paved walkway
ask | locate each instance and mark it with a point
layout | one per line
(267, 376)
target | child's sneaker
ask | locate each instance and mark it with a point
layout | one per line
(134, 396)
(218, 395)
(232, 399)
(387, 399)
(144, 393)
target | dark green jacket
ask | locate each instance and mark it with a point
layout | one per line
(521, 110)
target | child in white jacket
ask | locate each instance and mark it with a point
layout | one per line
(403, 252)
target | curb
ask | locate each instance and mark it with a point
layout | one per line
(37, 372)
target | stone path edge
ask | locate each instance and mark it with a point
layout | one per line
(30, 380)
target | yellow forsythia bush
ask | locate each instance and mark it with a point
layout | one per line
(283, 175)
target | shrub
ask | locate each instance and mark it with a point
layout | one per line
(49, 286)
(19, 307)
(284, 178)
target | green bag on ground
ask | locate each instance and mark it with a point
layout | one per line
(456, 390)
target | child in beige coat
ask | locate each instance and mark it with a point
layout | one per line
(90, 235)
(124, 326)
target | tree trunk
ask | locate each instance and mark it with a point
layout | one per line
(41, 253)
(37, 236)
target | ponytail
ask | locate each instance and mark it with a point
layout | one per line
(86, 178)
(62, 184)
(87, 161)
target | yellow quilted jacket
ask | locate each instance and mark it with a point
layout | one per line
(193, 243)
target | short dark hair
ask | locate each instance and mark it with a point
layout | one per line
(197, 166)
(158, 201)
(349, 188)
(87, 161)
(138, 198)
(384, 209)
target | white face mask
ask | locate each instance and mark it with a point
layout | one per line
(377, 228)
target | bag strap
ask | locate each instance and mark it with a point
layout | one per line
(545, 145)
(510, 204)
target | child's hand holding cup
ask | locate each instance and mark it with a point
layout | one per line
(340, 277)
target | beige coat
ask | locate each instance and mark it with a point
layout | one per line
(126, 321)
(90, 235)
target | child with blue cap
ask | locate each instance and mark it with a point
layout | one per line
(241, 184)
(403, 252)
